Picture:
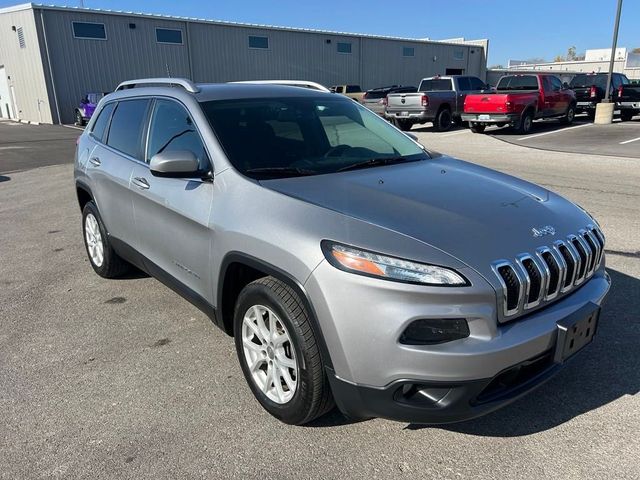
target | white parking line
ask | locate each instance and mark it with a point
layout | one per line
(554, 131)
(73, 126)
(629, 141)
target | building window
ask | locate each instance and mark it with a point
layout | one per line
(458, 54)
(408, 52)
(89, 31)
(258, 42)
(344, 47)
(169, 35)
(20, 33)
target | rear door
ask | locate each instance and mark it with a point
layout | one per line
(560, 97)
(118, 136)
(172, 214)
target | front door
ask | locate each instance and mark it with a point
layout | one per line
(172, 214)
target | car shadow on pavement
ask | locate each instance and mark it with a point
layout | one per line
(543, 126)
(4, 178)
(607, 370)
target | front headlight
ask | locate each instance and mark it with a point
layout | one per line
(363, 262)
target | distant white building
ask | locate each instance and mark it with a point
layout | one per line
(596, 60)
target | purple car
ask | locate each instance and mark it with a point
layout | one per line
(87, 106)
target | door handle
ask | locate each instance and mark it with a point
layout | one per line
(95, 161)
(141, 183)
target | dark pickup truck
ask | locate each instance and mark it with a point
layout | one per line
(590, 89)
(628, 101)
(518, 100)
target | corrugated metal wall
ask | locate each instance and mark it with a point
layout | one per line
(24, 66)
(214, 52)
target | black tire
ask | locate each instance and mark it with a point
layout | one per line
(475, 128)
(443, 120)
(112, 265)
(526, 123)
(591, 115)
(80, 119)
(312, 397)
(500, 125)
(404, 125)
(570, 116)
(626, 115)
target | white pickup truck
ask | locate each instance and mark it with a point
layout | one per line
(439, 100)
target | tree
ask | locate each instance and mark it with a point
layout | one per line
(636, 50)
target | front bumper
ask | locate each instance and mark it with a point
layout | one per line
(491, 118)
(362, 322)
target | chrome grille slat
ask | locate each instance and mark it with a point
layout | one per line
(548, 272)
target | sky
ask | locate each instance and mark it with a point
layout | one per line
(516, 29)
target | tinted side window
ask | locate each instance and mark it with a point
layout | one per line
(476, 83)
(102, 121)
(353, 88)
(464, 84)
(127, 125)
(171, 130)
(556, 83)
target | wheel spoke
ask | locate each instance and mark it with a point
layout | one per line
(248, 344)
(278, 340)
(287, 379)
(268, 380)
(264, 331)
(254, 328)
(254, 366)
(277, 382)
(286, 361)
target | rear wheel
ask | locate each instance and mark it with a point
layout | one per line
(404, 125)
(443, 120)
(104, 260)
(476, 128)
(626, 115)
(569, 116)
(526, 123)
(279, 353)
(79, 119)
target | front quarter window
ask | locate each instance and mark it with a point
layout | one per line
(293, 136)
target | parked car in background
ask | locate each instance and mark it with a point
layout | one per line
(590, 89)
(628, 101)
(376, 98)
(439, 100)
(85, 109)
(518, 100)
(351, 91)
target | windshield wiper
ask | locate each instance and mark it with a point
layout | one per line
(373, 162)
(285, 171)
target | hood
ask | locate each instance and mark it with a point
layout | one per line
(470, 212)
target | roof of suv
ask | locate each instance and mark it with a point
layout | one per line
(219, 91)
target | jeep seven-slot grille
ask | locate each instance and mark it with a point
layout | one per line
(532, 279)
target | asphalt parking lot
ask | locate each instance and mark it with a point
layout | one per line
(106, 379)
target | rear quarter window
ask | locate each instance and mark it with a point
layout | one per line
(435, 84)
(518, 82)
(100, 125)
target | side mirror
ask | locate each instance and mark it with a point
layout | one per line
(176, 164)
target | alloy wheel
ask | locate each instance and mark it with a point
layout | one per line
(93, 236)
(269, 354)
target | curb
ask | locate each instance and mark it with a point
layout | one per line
(28, 122)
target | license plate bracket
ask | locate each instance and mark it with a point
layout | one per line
(404, 114)
(576, 331)
(484, 117)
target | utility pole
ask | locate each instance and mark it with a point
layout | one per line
(613, 50)
(604, 110)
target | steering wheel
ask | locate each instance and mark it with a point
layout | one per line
(337, 151)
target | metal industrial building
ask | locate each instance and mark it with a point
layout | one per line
(51, 56)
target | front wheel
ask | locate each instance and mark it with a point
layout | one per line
(279, 353)
(475, 128)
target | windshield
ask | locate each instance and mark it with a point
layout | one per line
(435, 84)
(518, 82)
(583, 80)
(95, 97)
(271, 138)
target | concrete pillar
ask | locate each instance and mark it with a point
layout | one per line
(604, 113)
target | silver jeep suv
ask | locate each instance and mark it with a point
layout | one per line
(351, 264)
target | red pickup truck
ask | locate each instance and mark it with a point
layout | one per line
(518, 100)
